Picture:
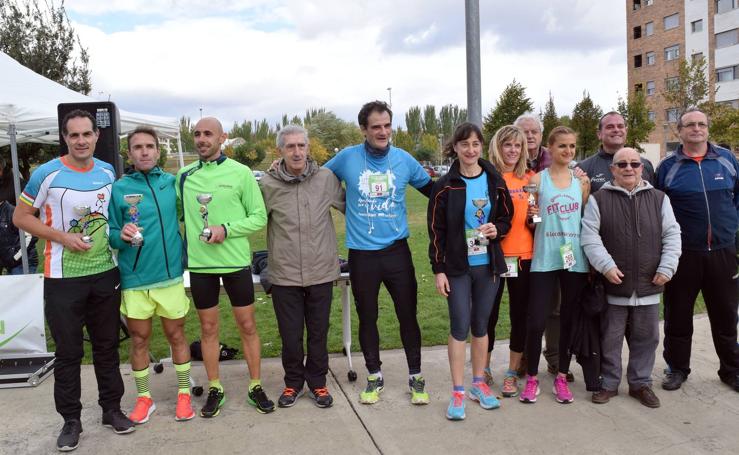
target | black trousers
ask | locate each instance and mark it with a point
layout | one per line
(711, 273)
(543, 287)
(392, 266)
(295, 306)
(94, 302)
(518, 301)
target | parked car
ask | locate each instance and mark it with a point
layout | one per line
(441, 170)
(258, 175)
(430, 171)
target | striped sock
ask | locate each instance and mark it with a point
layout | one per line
(253, 383)
(216, 383)
(142, 382)
(183, 377)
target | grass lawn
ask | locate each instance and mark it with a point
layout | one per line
(432, 308)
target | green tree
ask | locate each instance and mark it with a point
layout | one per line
(40, 37)
(690, 87)
(186, 137)
(550, 118)
(449, 117)
(333, 132)
(428, 148)
(724, 122)
(430, 122)
(404, 140)
(511, 103)
(414, 122)
(250, 153)
(565, 120)
(585, 119)
(636, 113)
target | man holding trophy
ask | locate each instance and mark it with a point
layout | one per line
(143, 206)
(221, 205)
(81, 284)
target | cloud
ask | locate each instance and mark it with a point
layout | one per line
(339, 54)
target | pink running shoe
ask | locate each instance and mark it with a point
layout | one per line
(530, 391)
(561, 390)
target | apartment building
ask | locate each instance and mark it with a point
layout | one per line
(660, 33)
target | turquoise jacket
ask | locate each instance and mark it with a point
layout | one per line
(160, 257)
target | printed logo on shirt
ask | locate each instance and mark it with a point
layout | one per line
(718, 177)
(563, 205)
(377, 194)
(598, 178)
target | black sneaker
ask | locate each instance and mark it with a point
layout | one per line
(289, 397)
(259, 400)
(69, 438)
(117, 420)
(732, 382)
(673, 380)
(322, 398)
(216, 399)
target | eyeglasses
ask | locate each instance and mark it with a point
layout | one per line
(625, 164)
(700, 125)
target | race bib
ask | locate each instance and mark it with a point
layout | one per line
(512, 266)
(379, 185)
(568, 256)
(473, 245)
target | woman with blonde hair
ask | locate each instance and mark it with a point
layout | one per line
(507, 152)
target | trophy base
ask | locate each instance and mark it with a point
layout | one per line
(137, 241)
(536, 219)
(206, 235)
(87, 239)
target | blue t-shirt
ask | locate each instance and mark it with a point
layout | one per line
(375, 194)
(476, 213)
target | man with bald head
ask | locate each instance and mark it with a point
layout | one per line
(224, 193)
(630, 235)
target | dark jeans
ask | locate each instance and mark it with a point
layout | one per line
(711, 273)
(393, 267)
(518, 301)
(543, 286)
(295, 306)
(94, 302)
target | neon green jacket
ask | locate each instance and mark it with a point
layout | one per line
(237, 205)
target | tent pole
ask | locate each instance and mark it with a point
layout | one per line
(179, 150)
(17, 187)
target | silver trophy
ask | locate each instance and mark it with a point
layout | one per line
(204, 200)
(480, 204)
(532, 189)
(82, 211)
(133, 201)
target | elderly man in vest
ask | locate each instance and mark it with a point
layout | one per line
(630, 235)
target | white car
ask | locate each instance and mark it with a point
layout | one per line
(258, 175)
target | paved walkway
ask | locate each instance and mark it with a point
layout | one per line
(702, 417)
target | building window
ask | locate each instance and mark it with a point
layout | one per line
(648, 2)
(697, 56)
(672, 52)
(649, 28)
(637, 61)
(727, 38)
(672, 21)
(652, 116)
(637, 4)
(672, 83)
(727, 74)
(651, 58)
(650, 88)
(672, 115)
(724, 6)
(638, 88)
(637, 32)
(696, 26)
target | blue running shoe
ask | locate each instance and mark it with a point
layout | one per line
(481, 393)
(455, 411)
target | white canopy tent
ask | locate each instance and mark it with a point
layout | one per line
(28, 113)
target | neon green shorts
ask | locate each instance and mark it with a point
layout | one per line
(169, 302)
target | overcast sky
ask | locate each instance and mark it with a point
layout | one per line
(254, 59)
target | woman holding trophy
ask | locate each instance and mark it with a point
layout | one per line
(507, 152)
(557, 255)
(470, 210)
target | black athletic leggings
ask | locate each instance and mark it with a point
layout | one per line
(518, 301)
(392, 266)
(543, 285)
